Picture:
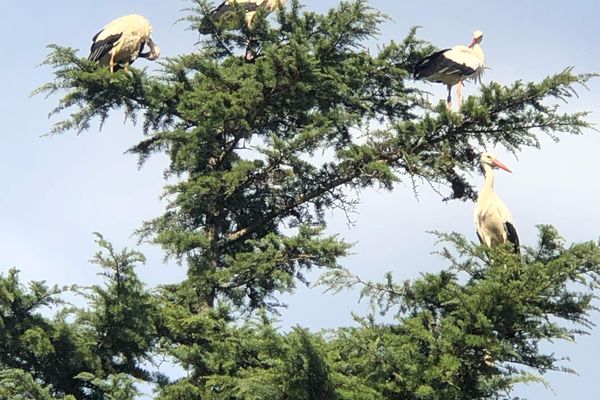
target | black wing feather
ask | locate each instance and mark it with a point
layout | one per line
(480, 238)
(437, 62)
(226, 7)
(96, 36)
(512, 235)
(101, 47)
(426, 63)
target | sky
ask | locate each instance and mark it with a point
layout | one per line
(57, 190)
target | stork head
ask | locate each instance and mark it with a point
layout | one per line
(154, 53)
(490, 160)
(477, 38)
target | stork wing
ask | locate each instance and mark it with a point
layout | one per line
(465, 61)
(457, 61)
(426, 66)
(512, 235)
(228, 6)
(101, 47)
(508, 224)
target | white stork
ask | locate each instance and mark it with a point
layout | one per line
(493, 221)
(122, 41)
(251, 7)
(452, 66)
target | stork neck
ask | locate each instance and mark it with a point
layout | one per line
(476, 49)
(489, 178)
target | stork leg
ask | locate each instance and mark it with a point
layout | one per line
(449, 98)
(112, 63)
(249, 18)
(252, 51)
(249, 56)
(459, 87)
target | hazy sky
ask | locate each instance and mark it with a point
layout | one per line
(58, 190)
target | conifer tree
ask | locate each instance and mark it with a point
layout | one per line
(246, 216)
(94, 353)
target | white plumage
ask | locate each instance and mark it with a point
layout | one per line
(452, 66)
(493, 221)
(250, 6)
(122, 41)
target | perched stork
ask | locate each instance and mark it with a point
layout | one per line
(251, 7)
(122, 41)
(452, 66)
(493, 221)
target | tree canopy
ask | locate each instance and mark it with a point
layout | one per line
(258, 152)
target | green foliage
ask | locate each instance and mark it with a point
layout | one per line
(48, 349)
(79, 353)
(259, 152)
(97, 86)
(122, 316)
(255, 362)
(475, 329)
(16, 384)
(114, 387)
(469, 332)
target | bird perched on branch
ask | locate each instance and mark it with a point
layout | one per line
(493, 221)
(122, 41)
(226, 9)
(250, 6)
(452, 66)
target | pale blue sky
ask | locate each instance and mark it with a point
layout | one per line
(57, 190)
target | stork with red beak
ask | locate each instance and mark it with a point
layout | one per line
(493, 221)
(452, 66)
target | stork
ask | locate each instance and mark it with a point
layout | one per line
(251, 7)
(122, 41)
(493, 221)
(452, 66)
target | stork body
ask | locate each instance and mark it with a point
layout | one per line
(122, 41)
(493, 220)
(452, 66)
(250, 6)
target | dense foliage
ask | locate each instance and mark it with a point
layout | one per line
(247, 197)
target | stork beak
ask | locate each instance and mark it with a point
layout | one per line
(500, 165)
(154, 53)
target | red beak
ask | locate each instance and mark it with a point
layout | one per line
(473, 43)
(500, 165)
